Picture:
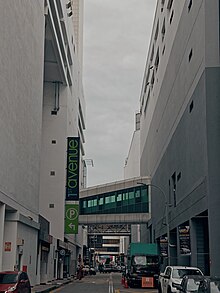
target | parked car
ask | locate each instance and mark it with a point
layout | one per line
(173, 276)
(14, 281)
(199, 284)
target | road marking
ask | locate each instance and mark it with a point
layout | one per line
(111, 287)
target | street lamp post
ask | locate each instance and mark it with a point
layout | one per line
(166, 216)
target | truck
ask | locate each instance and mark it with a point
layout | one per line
(143, 265)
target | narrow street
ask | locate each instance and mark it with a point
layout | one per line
(101, 283)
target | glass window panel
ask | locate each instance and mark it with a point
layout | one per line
(90, 203)
(113, 198)
(137, 193)
(101, 201)
(107, 199)
(119, 197)
(131, 194)
(95, 202)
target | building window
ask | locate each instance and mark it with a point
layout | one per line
(174, 188)
(162, 4)
(152, 79)
(171, 17)
(190, 54)
(163, 30)
(51, 205)
(190, 5)
(53, 112)
(157, 59)
(156, 32)
(152, 54)
(54, 141)
(169, 4)
(101, 201)
(191, 107)
(179, 176)
(52, 173)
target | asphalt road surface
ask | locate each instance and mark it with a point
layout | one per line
(100, 283)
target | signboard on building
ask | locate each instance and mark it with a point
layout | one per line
(71, 218)
(184, 240)
(72, 173)
(7, 246)
(164, 246)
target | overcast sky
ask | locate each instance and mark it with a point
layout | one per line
(116, 40)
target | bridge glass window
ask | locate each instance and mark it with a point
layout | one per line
(119, 197)
(101, 201)
(125, 195)
(131, 194)
(84, 204)
(113, 198)
(90, 203)
(108, 199)
(95, 202)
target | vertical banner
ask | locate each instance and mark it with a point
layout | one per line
(71, 218)
(184, 240)
(164, 246)
(72, 173)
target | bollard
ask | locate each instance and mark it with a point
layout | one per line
(126, 284)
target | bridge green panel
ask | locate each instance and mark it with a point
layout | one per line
(130, 200)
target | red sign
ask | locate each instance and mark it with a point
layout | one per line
(24, 269)
(7, 246)
(147, 282)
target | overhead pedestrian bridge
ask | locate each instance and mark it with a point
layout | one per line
(121, 202)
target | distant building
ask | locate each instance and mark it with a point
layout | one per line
(179, 130)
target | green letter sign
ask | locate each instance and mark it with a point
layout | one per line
(72, 174)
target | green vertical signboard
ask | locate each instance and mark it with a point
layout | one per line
(71, 218)
(72, 170)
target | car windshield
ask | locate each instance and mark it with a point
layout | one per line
(8, 278)
(143, 260)
(180, 273)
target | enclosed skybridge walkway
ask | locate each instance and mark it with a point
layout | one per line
(120, 202)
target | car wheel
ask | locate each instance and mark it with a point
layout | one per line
(169, 290)
(159, 288)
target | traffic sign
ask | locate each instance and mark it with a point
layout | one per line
(71, 218)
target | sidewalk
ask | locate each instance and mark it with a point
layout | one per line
(51, 286)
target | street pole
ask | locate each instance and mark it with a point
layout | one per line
(166, 216)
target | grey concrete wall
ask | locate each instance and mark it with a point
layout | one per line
(213, 142)
(186, 155)
(21, 84)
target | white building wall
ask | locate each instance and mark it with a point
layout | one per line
(21, 87)
(157, 127)
(63, 116)
(132, 164)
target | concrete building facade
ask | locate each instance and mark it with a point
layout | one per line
(63, 116)
(179, 136)
(42, 104)
(22, 61)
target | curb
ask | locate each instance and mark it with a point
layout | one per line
(53, 287)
